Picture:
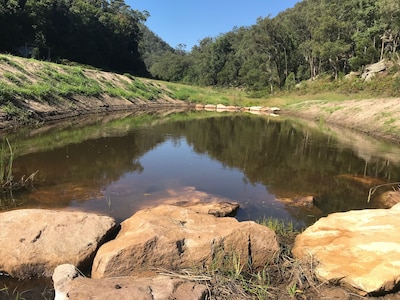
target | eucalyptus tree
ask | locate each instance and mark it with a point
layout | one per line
(362, 19)
(390, 19)
(201, 72)
(258, 70)
(170, 65)
(235, 57)
(98, 32)
(12, 24)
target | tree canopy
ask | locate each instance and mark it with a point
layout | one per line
(101, 33)
(314, 37)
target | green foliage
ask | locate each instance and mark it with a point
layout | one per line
(290, 82)
(281, 227)
(314, 38)
(105, 34)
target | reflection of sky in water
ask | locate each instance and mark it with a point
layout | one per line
(120, 173)
(174, 165)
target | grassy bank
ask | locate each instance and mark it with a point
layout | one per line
(34, 91)
(43, 81)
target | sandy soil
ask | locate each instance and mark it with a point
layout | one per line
(376, 117)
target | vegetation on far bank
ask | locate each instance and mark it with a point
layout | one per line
(45, 83)
(314, 38)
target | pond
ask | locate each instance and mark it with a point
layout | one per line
(118, 164)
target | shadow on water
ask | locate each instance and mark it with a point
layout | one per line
(121, 163)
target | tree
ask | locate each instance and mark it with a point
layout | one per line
(390, 18)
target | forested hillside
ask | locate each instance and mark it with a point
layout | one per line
(100, 33)
(315, 37)
(330, 37)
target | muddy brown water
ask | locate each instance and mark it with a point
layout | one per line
(118, 164)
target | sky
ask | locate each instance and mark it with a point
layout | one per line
(189, 21)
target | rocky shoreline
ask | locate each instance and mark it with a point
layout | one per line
(149, 254)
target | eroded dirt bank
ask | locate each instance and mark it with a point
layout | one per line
(38, 113)
(376, 117)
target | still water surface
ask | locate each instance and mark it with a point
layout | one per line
(119, 164)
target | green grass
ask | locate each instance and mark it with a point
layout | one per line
(209, 95)
(7, 180)
(9, 61)
(52, 81)
(281, 227)
(229, 276)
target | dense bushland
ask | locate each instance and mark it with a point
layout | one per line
(100, 33)
(314, 39)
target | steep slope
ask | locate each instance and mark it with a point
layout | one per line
(36, 91)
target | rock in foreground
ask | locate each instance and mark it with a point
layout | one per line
(69, 285)
(35, 241)
(174, 237)
(358, 248)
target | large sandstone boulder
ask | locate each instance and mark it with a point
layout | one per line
(69, 285)
(358, 248)
(168, 236)
(35, 241)
(371, 70)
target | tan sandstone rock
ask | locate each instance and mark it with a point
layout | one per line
(68, 285)
(177, 237)
(200, 202)
(360, 248)
(35, 241)
(210, 107)
(371, 70)
(306, 202)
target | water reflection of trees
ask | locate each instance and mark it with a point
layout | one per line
(86, 167)
(289, 159)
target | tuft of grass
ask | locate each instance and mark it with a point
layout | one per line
(21, 115)
(12, 78)
(12, 63)
(14, 294)
(7, 182)
(108, 202)
(282, 278)
(281, 227)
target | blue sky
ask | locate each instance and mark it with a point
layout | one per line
(189, 21)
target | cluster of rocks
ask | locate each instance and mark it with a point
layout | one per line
(370, 71)
(273, 111)
(48, 243)
(358, 248)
